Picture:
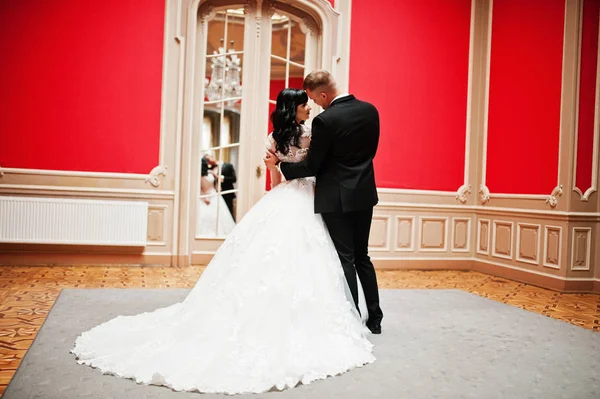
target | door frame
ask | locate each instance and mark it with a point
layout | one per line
(319, 20)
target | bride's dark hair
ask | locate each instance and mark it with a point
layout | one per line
(286, 131)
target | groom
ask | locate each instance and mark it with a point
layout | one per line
(344, 141)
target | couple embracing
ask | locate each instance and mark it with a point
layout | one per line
(280, 303)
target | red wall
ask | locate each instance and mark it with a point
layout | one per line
(414, 68)
(81, 84)
(84, 93)
(525, 96)
(587, 93)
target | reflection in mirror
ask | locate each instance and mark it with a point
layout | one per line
(216, 206)
(234, 18)
(218, 175)
(288, 48)
(224, 59)
(220, 135)
(296, 74)
(287, 40)
(224, 78)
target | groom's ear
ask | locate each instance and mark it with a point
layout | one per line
(323, 96)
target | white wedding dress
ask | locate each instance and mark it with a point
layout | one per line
(208, 225)
(270, 311)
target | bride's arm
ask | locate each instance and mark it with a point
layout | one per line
(320, 143)
(275, 178)
(271, 148)
(205, 186)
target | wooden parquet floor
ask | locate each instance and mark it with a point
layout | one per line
(28, 293)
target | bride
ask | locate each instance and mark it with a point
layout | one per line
(214, 218)
(272, 309)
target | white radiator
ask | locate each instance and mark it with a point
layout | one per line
(72, 221)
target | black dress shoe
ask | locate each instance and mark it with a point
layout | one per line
(375, 328)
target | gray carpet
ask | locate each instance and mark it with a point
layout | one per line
(435, 344)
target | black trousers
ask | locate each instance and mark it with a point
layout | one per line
(350, 234)
(229, 201)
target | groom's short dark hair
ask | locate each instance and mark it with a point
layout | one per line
(317, 79)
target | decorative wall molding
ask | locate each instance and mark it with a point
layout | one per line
(483, 236)
(180, 39)
(465, 189)
(484, 194)
(258, 16)
(530, 271)
(405, 233)
(156, 225)
(207, 14)
(177, 16)
(502, 233)
(380, 237)
(461, 235)
(162, 139)
(416, 192)
(308, 27)
(552, 246)
(581, 248)
(153, 177)
(585, 196)
(433, 234)
(462, 193)
(495, 210)
(74, 173)
(552, 200)
(528, 252)
(71, 191)
(272, 8)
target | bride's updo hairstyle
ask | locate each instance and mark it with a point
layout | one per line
(286, 131)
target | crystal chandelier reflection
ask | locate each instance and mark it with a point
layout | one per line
(227, 65)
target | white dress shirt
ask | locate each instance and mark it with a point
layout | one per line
(340, 96)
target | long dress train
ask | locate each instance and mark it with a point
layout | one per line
(271, 310)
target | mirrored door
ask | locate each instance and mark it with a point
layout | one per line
(270, 54)
(220, 133)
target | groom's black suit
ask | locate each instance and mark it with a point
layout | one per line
(344, 142)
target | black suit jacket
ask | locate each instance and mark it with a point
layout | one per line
(344, 141)
(228, 172)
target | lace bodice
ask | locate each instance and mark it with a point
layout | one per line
(295, 154)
